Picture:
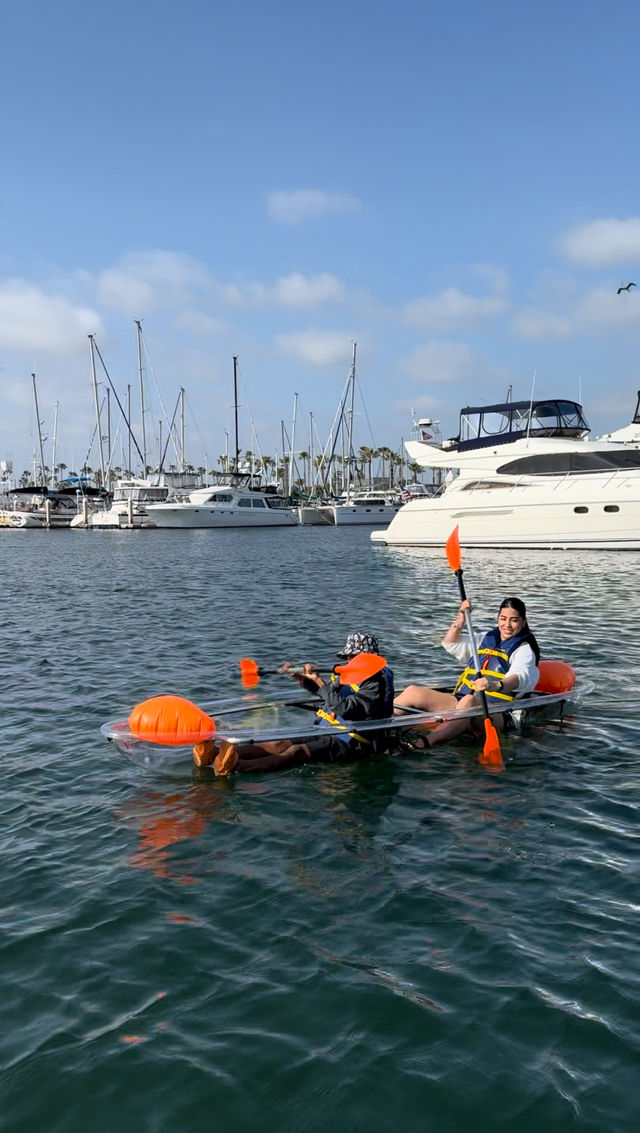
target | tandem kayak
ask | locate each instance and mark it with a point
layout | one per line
(254, 719)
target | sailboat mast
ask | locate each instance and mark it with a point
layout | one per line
(293, 447)
(55, 442)
(35, 399)
(181, 428)
(235, 409)
(144, 436)
(97, 404)
(350, 444)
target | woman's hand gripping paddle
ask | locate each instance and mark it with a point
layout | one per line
(358, 669)
(490, 754)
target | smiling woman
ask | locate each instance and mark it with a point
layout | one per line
(509, 657)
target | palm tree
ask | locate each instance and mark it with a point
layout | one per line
(365, 456)
(395, 461)
(415, 470)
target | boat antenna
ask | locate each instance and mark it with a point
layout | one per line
(533, 386)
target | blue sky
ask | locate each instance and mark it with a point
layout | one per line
(453, 185)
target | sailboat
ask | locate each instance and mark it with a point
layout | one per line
(234, 499)
(39, 505)
(354, 506)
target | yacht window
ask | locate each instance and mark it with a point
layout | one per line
(482, 485)
(493, 423)
(581, 510)
(221, 498)
(557, 463)
(258, 503)
(244, 502)
(611, 507)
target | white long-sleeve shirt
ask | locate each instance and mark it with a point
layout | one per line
(522, 661)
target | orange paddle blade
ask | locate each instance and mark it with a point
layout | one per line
(452, 548)
(360, 668)
(491, 755)
(250, 672)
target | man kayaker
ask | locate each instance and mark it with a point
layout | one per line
(340, 704)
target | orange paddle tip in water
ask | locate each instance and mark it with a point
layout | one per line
(491, 756)
(171, 720)
(250, 672)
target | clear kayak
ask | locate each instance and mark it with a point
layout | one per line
(254, 719)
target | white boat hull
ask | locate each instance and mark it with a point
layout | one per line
(590, 513)
(347, 514)
(188, 516)
(19, 520)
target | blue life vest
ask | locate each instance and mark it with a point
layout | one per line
(381, 709)
(493, 655)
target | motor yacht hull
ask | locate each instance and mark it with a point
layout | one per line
(581, 513)
(189, 516)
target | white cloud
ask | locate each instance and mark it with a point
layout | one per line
(440, 362)
(453, 308)
(604, 307)
(199, 324)
(541, 325)
(594, 312)
(321, 348)
(295, 206)
(145, 281)
(495, 277)
(295, 290)
(34, 321)
(602, 242)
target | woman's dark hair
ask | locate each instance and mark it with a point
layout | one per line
(515, 604)
(518, 605)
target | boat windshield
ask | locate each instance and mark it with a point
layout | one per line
(486, 425)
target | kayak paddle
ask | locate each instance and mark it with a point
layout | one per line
(491, 754)
(357, 670)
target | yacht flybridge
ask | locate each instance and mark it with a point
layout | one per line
(525, 474)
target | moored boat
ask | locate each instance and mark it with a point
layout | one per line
(525, 474)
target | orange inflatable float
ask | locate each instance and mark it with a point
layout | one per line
(555, 676)
(171, 720)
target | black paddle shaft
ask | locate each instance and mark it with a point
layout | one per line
(474, 648)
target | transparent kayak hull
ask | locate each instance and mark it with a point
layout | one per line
(254, 719)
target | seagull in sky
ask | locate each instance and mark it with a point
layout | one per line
(625, 287)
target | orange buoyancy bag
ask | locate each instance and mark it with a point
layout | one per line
(171, 720)
(555, 676)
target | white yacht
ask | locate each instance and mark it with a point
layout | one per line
(524, 474)
(35, 507)
(127, 509)
(354, 507)
(232, 501)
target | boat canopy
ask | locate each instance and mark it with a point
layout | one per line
(484, 425)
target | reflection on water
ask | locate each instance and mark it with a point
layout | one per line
(331, 939)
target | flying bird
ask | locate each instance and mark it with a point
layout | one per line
(625, 287)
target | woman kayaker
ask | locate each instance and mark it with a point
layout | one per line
(508, 656)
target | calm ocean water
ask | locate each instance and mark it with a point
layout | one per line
(409, 943)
